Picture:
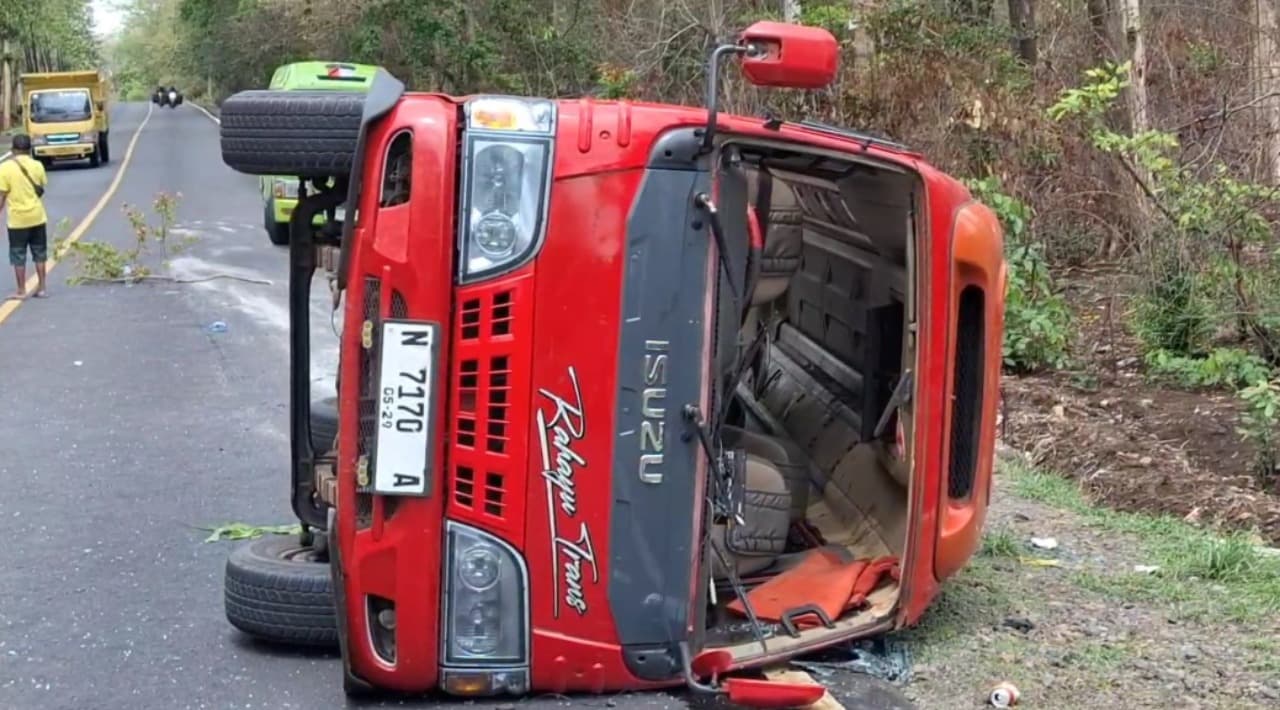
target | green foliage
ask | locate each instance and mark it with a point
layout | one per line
(1000, 542)
(616, 82)
(834, 17)
(244, 531)
(1259, 424)
(103, 263)
(1174, 313)
(49, 35)
(1092, 99)
(1245, 583)
(1231, 368)
(1200, 273)
(909, 29)
(1204, 57)
(1037, 321)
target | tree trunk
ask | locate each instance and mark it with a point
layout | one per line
(864, 45)
(1116, 34)
(790, 10)
(1139, 119)
(1099, 16)
(6, 86)
(1022, 18)
(1267, 83)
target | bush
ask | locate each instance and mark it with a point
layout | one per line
(1232, 368)
(1036, 319)
(1259, 425)
(1174, 314)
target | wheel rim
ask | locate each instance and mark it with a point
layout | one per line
(301, 554)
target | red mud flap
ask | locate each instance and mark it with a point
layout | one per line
(747, 692)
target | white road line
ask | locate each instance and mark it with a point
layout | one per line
(6, 155)
(205, 111)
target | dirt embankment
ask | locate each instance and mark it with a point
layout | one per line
(1134, 443)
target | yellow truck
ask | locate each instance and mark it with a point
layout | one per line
(65, 113)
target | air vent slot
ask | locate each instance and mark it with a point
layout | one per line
(498, 414)
(966, 410)
(494, 494)
(471, 319)
(500, 317)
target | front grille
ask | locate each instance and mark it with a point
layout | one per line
(491, 492)
(368, 390)
(492, 354)
(966, 410)
(368, 404)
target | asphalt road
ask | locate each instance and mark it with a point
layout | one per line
(126, 425)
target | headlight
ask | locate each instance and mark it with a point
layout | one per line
(506, 174)
(486, 601)
(480, 567)
(39, 140)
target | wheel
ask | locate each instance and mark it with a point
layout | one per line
(104, 147)
(278, 233)
(277, 590)
(307, 134)
(324, 424)
(95, 158)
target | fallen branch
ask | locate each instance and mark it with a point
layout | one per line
(173, 279)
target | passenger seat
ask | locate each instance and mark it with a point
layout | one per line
(766, 521)
(785, 456)
(783, 228)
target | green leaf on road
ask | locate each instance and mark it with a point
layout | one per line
(245, 531)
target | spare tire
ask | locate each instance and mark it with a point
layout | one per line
(278, 590)
(310, 134)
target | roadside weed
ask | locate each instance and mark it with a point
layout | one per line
(1000, 542)
(244, 531)
(1203, 573)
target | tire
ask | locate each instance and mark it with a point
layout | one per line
(307, 134)
(104, 147)
(324, 424)
(276, 232)
(95, 158)
(276, 592)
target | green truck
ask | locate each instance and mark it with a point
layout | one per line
(280, 193)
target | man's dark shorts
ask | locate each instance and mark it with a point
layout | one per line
(33, 238)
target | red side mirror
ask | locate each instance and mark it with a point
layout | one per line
(787, 55)
(754, 693)
(712, 663)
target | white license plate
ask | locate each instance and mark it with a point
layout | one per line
(406, 376)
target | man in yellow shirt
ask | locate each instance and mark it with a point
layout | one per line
(22, 183)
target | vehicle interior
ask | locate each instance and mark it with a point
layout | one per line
(818, 405)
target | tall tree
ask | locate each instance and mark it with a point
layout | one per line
(1266, 83)
(1022, 17)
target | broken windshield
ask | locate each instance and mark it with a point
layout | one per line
(60, 106)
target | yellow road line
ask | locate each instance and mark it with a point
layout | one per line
(8, 307)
